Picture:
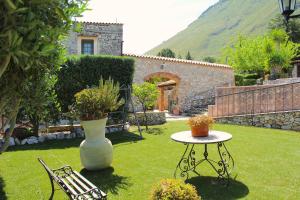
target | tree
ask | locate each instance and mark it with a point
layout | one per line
(210, 59)
(166, 53)
(292, 28)
(262, 53)
(188, 56)
(146, 94)
(40, 103)
(31, 35)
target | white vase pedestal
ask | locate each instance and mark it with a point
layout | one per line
(96, 151)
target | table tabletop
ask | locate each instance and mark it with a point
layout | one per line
(213, 137)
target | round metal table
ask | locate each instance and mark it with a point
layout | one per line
(189, 163)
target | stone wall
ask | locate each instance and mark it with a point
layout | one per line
(108, 38)
(296, 69)
(154, 118)
(194, 78)
(279, 120)
(282, 81)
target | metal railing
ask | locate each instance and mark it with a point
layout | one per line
(263, 99)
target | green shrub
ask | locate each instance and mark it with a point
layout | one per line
(249, 82)
(169, 189)
(95, 103)
(251, 76)
(80, 72)
(238, 79)
(245, 79)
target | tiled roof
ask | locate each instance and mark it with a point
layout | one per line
(195, 62)
(101, 23)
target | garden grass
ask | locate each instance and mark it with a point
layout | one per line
(267, 165)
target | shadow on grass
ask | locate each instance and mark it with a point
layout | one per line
(106, 180)
(154, 131)
(2, 192)
(209, 188)
(116, 138)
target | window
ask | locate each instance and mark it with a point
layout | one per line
(87, 47)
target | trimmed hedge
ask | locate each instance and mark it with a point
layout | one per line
(245, 79)
(80, 72)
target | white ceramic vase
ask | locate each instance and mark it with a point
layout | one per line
(96, 151)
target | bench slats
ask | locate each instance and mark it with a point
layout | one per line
(88, 183)
(74, 184)
(85, 180)
(69, 187)
(80, 183)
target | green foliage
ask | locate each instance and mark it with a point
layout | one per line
(261, 53)
(214, 29)
(169, 189)
(210, 59)
(155, 80)
(95, 103)
(81, 72)
(40, 103)
(31, 35)
(245, 79)
(188, 56)
(146, 94)
(293, 27)
(166, 53)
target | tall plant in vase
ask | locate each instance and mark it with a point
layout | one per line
(92, 106)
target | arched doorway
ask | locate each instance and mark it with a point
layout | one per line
(167, 84)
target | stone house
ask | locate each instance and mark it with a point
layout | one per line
(187, 84)
(96, 38)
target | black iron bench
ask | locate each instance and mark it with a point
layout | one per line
(72, 183)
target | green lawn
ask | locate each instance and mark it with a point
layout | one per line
(267, 165)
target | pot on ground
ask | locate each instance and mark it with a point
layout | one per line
(200, 131)
(96, 151)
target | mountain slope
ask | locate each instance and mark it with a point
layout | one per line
(219, 24)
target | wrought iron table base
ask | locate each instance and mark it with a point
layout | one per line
(223, 167)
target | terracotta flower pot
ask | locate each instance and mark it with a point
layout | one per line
(200, 131)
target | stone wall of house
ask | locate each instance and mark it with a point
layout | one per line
(278, 120)
(195, 79)
(154, 118)
(296, 72)
(108, 37)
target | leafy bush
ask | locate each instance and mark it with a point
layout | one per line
(95, 103)
(146, 94)
(245, 79)
(80, 72)
(169, 189)
(22, 133)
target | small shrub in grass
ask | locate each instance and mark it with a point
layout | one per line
(170, 189)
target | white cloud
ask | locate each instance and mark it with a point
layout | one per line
(147, 23)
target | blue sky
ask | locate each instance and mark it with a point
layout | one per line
(147, 23)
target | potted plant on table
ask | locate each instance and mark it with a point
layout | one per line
(200, 125)
(93, 105)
